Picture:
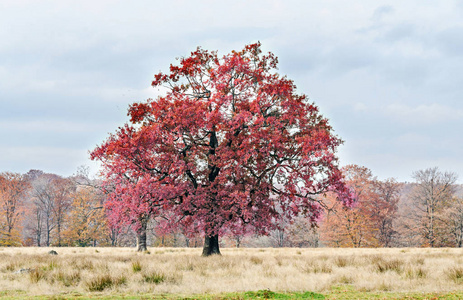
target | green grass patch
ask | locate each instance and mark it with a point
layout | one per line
(349, 292)
(339, 292)
(267, 294)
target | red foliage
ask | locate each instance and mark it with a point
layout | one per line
(231, 145)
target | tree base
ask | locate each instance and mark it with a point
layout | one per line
(211, 246)
(141, 242)
(141, 248)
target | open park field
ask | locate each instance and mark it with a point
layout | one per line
(323, 273)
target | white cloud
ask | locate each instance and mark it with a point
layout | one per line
(359, 106)
(425, 114)
(49, 159)
(383, 11)
(51, 126)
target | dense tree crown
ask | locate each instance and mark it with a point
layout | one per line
(229, 145)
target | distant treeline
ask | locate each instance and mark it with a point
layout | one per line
(42, 209)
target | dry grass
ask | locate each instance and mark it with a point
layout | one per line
(31, 271)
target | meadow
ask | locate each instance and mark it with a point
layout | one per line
(322, 273)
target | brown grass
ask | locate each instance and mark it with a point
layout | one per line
(32, 271)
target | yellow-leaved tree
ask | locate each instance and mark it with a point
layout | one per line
(87, 222)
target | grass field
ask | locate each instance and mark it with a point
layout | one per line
(172, 273)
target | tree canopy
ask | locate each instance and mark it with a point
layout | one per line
(230, 145)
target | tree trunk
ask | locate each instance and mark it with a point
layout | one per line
(48, 238)
(141, 242)
(237, 241)
(39, 230)
(211, 245)
(141, 238)
(59, 234)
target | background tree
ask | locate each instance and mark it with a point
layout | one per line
(229, 133)
(279, 235)
(113, 232)
(13, 188)
(303, 234)
(453, 216)
(132, 201)
(353, 226)
(51, 195)
(432, 192)
(408, 221)
(43, 199)
(93, 218)
(234, 239)
(61, 190)
(384, 210)
(34, 218)
(86, 219)
(368, 223)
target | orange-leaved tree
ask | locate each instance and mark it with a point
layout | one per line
(13, 188)
(368, 223)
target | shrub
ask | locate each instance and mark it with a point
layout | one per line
(256, 260)
(341, 261)
(100, 283)
(154, 277)
(36, 275)
(317, 267)
(415, 273)
(455, 274)
(345, 279)
(52, 265)
(136, 266)
(120, 280)
(11, 266)
(71, 279)
(84, 264)
(388, 265)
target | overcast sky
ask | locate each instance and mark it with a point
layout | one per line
(387, 74)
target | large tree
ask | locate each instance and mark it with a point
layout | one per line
(229, 145)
